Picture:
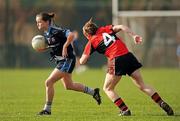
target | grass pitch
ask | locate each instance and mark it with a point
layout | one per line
(22, 95)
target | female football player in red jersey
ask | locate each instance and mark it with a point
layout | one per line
(59, 40)
(120, 62)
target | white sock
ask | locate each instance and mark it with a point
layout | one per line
(47, 107)
(89, 91)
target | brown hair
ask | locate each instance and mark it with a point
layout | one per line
(90, 27)
(46, 16)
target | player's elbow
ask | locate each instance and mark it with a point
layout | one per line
(118, 28)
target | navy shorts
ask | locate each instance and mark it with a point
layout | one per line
(122, 65)
(66, 65)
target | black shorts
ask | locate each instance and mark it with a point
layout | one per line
(122, 65)
(66, 65)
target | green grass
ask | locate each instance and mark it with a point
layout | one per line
(22, 95)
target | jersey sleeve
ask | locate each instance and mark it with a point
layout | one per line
(64, 32)
(88, 50)
(110, 27)
(67, 32)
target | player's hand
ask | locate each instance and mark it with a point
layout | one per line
(137, 39)
(64, 52)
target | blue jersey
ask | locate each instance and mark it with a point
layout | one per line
(56, 38)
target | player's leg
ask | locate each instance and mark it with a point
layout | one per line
(67, 66)
(70, 85)
(109, 88)
(49, 84)
(139, 82)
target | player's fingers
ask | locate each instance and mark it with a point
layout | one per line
(138, 40)
(64, 54)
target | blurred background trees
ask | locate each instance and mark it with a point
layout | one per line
(18, 26)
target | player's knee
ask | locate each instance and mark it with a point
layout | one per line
(49, 83)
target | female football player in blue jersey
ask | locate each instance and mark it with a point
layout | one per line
(59, 40)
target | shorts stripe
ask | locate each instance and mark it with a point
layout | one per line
(66, 65)
(70, 64)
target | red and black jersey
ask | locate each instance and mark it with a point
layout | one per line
(106, 42)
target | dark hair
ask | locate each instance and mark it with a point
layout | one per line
(46, 16)
(90, 27)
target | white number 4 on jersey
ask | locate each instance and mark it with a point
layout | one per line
(108, 38)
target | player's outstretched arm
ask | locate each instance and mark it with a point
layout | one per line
(83, 59)
(86, 54)
(118, 28)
